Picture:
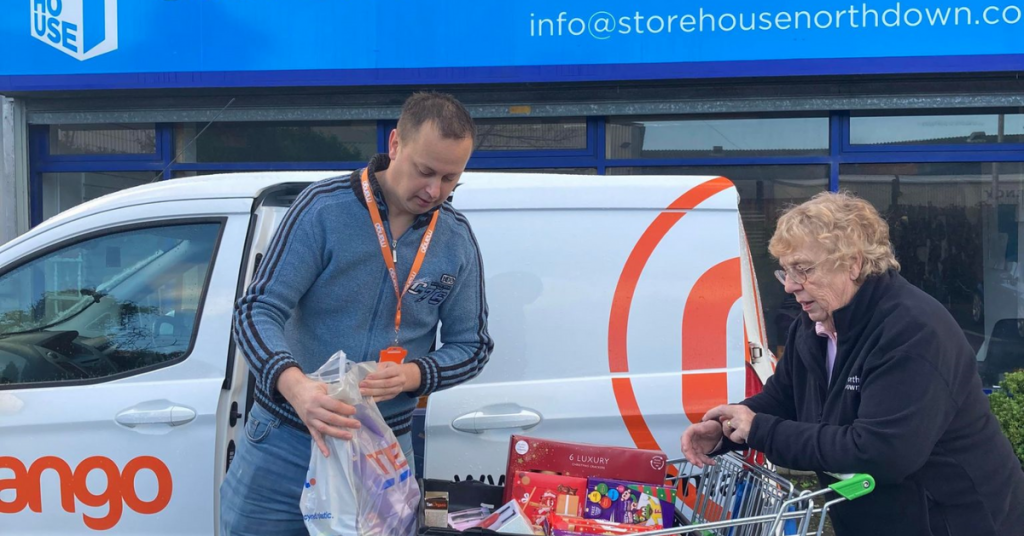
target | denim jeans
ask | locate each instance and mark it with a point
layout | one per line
(261, 492)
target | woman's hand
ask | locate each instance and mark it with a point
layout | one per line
(736, 420)
(699, 440)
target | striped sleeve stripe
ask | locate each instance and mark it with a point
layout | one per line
(289, 417)
(249, 337)
(271, 260)
(447, 370)
(428, 379)
(273, 368)
(485, 343)
(400, 423)
(398, 417)
(275, 373)
(432, 367)
(259, 360)
(300, 205)
(402, 429)
(470, 372)
(256, 359)
(482, 333)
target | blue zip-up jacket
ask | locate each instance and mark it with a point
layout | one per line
(323, 287)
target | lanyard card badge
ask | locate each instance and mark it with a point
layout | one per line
(395, 353)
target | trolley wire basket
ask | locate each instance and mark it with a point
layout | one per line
(736, 498)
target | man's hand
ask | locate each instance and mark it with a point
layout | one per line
(390, 380)
(699, 440)
(736, 420)
(322, 415)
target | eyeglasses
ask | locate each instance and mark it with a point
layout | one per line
(796, 274)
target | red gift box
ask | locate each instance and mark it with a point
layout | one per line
(530, 454)
(541, 494)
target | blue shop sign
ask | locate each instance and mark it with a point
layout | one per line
(100, 44)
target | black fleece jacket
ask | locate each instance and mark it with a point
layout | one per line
(905, 405)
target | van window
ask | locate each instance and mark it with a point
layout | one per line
(118, 303)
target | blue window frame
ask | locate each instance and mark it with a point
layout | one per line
(163, 162)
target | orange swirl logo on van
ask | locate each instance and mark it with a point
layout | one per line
(704, 320)
(119, 492)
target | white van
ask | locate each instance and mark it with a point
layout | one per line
(622, 309)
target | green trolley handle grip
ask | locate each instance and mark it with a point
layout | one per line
(854, 486)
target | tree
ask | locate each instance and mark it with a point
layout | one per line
(1008, 406)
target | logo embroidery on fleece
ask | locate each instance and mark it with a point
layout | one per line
(853, 383)
(433, 292)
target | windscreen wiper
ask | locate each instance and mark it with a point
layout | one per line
(96, 298)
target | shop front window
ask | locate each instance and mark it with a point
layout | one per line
(936, 129)
(956, 229)
(531, 134)
(103, 139)
(336, 141)
(638, 137)
(62, 191)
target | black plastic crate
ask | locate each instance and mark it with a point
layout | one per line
(463, 496)
(471, 494)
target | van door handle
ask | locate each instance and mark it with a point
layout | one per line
(143, 414)
(477, 422)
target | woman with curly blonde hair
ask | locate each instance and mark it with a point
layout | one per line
(877, 378)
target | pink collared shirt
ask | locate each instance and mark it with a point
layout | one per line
(833, 340)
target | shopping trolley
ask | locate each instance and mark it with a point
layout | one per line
(731, 498)
(737, 498)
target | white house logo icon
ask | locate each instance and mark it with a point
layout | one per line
(81, 29)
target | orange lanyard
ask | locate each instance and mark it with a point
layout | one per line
(385, 248)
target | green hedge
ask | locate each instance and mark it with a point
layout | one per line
(1008, 406)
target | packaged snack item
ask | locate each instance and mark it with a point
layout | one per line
(630, 503)
(540, 494)
(582, 460)
(557, 525)
(467, 519)
(508, 519)
(435, 508)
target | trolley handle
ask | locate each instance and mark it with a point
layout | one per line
(853, 485)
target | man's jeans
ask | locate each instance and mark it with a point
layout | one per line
(261, 492)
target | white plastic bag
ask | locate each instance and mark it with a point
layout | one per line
(365, 487)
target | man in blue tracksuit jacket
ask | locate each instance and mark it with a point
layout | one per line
(325, 285)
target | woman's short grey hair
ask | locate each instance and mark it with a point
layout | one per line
(844, 224)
